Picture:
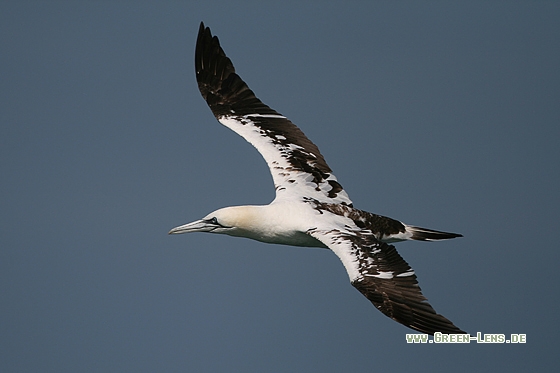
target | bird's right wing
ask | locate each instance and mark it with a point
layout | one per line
(381, 274)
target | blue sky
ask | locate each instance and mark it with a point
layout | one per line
(440, 114)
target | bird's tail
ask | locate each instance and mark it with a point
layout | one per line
(424, 234)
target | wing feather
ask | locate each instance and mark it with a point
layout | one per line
(297, 166)
(378, 271)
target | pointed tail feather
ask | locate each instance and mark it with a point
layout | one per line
(424, 234)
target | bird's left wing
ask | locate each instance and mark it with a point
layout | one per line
(381, 274)
(298, 169)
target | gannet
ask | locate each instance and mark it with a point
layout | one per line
(311, 209)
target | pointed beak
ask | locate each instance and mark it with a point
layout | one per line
(195, 226)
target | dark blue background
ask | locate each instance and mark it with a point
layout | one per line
(440, 114)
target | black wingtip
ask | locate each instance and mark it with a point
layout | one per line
(202, 28)
(224, 91)
(401, 299)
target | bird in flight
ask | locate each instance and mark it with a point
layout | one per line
(311, 209)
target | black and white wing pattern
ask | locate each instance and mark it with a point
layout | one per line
(298, 168)
(381, 274)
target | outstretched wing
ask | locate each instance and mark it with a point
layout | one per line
(381, 274)
(298, 168)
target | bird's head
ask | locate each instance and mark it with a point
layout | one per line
(227, 220)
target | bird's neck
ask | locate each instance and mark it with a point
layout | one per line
(274, 223)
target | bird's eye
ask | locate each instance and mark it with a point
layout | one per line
(214, 221)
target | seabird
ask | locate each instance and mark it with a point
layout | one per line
(311, 208)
